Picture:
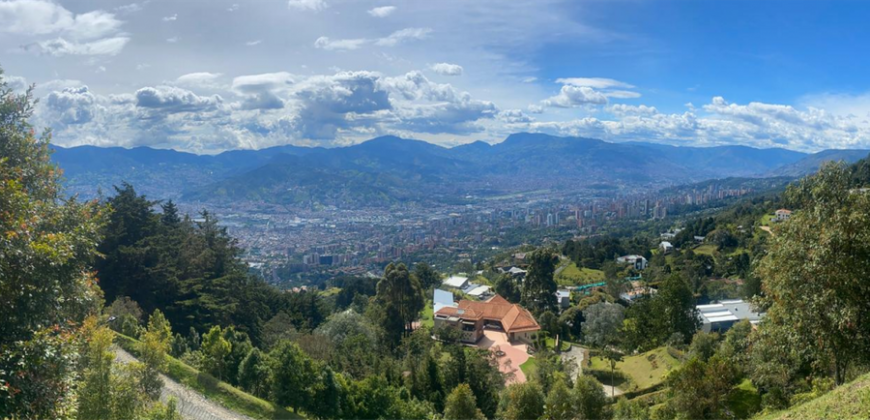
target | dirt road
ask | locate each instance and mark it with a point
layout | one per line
(191, 404)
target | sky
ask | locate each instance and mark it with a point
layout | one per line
(209, 76)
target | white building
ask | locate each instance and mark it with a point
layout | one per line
(719, 317)
(638, 261)
(455, 282)
(564, 298)
(782, 215)
(666, 247)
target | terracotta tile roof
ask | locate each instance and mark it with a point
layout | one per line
(513, 317)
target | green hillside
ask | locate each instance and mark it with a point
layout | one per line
(850, 401)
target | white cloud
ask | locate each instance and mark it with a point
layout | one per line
(383, 11)
(338, 44)
(514, 116)
(18, 84)
(129, 8)
(400, 36)
(61, 47)
(261, 90)
(447, 69)
(172, 99)
(234, 7)
(594, 82)
(203, 80)
(530, 79)
(172, 40)
(254, 42)
(573, 96)
(623, 110)
(311, 5)
(91, 33)
(72, 105)
(171, 18)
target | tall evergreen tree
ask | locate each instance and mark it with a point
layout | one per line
(539, 287)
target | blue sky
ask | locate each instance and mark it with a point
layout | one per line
(207, 76)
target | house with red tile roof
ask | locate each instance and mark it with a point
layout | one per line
(472, 317)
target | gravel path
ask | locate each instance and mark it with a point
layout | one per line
(576, 354)
(191, 404)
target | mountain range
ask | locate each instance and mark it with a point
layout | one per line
(389, 169)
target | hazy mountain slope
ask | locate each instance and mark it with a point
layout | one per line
(726, 160)
(390, 169)
(813, 162)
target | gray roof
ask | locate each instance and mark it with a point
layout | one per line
(727, 310)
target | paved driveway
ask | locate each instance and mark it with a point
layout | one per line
(515, 354)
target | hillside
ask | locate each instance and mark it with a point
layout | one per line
(812, 163)
(389, 169)
(848, 401)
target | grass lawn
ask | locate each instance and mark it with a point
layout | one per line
(529, 367)
(571, 275)
(644, 370)
(767, 220)
(427, 319)
(706, 249)
(745, 400)
(551, 344)
(213, 389)
(849, 401)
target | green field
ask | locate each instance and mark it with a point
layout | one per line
(745, 400)
(849, 401)
(427, 318)
(643, 370)
(571, 275)
(529, 367)
(767, 220)
(706, 249)
(213, 389)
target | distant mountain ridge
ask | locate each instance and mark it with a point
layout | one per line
(390, 169)
(813, 162)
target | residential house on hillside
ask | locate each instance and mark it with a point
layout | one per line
(564, 298)
(666, 247)
(637, 261)
(472, 317)
(455, 282)
(782, 215)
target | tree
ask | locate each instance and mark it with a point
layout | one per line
(812, 279)
(539, 288)
(278, 328)
(589, 398)
(125, 315)
(293, 374)
(403, 300)
(560, 403)
(601, 327)
(254, 373)
(674, 309)
(46, 284)
(506, 287)
(328, 393)
(522, 402)
(704, 345)
(613, 357)
(426, 275)
(700, 390)
(626, 409)
(154, 346)
(215, 349)
(461, 405)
